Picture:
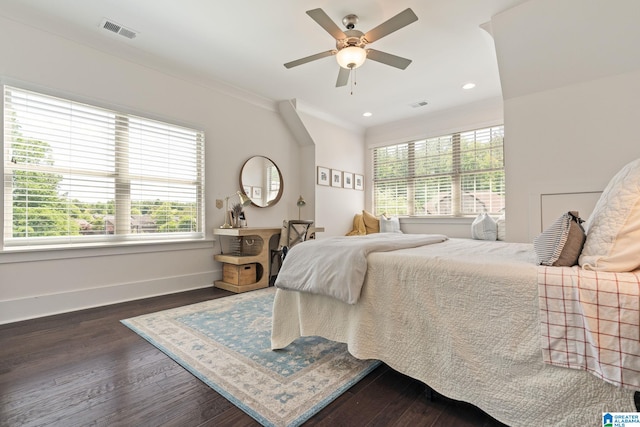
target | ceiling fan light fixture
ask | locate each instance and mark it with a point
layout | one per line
(351, 57)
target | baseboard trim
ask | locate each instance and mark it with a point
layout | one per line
(46, 305)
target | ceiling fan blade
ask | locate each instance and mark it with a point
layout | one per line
(310, 58)
(325, 22)
(388, 59)
(343, 77)
(402, 19)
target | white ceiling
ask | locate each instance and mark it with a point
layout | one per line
(244, 44)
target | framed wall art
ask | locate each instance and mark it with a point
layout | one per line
(358, 182)
(347, 180)
(336, 178)
(323, 176)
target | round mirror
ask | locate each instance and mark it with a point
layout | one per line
(261, 181)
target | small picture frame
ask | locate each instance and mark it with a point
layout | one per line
(247, 190)
(323, 176)
(256, 192)
(347, 180)
(336, 178)
(358, 182)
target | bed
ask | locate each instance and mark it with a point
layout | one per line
(533, 334)
(462, 316)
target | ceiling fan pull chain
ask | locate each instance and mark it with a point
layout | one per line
(352, 78)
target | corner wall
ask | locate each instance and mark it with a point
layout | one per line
(39, 283)
(570, 75)
(336, 147)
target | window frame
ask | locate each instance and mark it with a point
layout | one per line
(407, 183)
(121, 182)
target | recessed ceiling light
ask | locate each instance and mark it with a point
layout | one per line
(468, 86)
(367, 114)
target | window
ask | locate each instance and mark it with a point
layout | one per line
(76, 173)
(452, 175)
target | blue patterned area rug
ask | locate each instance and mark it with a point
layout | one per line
(226, 343)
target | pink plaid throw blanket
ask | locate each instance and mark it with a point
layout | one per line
(591, 320)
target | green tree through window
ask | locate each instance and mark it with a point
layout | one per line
(77, 173)
(451, 175)
(36, 202)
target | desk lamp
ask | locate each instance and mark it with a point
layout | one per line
(300, 204)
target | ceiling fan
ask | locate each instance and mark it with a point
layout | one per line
(350, 48)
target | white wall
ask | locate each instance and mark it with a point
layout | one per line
(583, 134)
(46, 282)
(336, 147)
(570, 73)
(436, 123)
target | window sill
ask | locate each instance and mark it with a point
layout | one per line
(437, 220)
(44, 253)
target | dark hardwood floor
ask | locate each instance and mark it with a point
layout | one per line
(87, 369)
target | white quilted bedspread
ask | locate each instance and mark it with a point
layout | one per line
(461, 316)
(337, 266)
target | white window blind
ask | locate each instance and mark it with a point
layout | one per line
(78, 173)
(451, 175)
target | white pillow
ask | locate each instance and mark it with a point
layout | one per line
(389, 225)
(484, 228)
(613, 229)
(501, 225)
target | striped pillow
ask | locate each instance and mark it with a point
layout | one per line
(560, 244)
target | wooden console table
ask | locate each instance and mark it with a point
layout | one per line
(260, 237)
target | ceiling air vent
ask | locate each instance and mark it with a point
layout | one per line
(118, 29)
(419, 104)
